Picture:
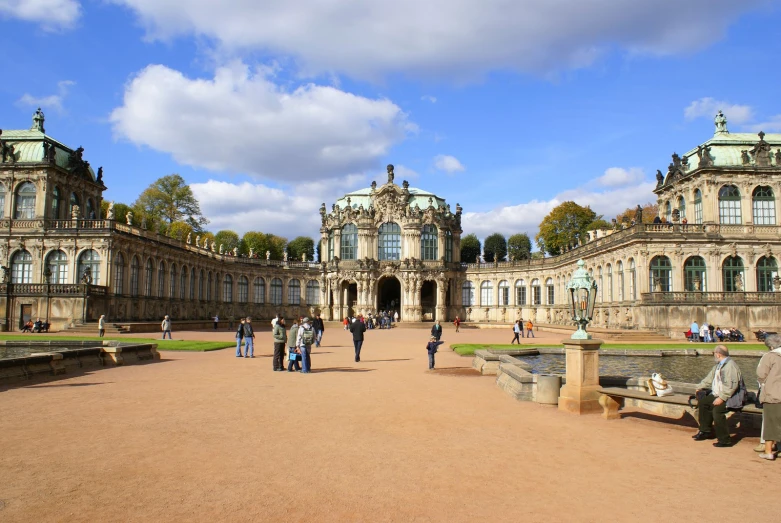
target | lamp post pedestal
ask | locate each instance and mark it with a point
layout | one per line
(580, 394)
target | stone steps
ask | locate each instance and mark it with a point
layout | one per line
(91, 329)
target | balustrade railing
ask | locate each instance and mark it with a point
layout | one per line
(52, 289)
(711, 297)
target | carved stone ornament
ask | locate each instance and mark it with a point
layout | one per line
(761, 152)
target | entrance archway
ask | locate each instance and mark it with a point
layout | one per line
(428, 300)
(389, 295)
(349, 293)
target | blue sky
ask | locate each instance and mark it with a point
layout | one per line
(508, 108)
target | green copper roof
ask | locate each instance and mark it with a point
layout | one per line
(363, 197)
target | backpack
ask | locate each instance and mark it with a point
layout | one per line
(740, 398)
(308, 336)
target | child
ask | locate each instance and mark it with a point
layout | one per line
(530, 329)
(431, 347)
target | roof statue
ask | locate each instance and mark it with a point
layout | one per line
(38, 120)
(721, 123)
(390, 173)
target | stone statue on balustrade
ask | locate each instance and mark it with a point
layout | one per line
(198, 241)
(189, 238)
(129, 217)
(268, 255)
(75, 212)
(110, 211)
(220, 248)
(739, 283)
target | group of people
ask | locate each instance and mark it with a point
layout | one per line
(303, 333)
(383, 320)
(518, 331)
(36, 326)
(709, 334)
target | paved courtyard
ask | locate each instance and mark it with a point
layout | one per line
(209, 437)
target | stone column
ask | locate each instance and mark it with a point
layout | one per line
(580, 394)
(441, 295)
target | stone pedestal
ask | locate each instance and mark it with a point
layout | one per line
(579, 395)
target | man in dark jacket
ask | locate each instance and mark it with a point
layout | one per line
(279, 335)
(249, 339)
(436, 331)
(319, 327)
(357, 327)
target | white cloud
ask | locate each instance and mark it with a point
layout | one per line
(447, 163)
(619, 177)
(709, 107)
(457, 38)
(770, 125)
(429, 98)
(241, 121)
(51, 14)
(53, 101)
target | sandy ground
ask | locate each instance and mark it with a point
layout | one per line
(210, 437)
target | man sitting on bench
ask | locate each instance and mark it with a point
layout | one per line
(714, 394)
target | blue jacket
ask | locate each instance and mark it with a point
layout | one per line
(432, 346)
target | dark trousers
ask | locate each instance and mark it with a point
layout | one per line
(358, 344)
(101, 332)
(279, 356)
(430, 360)
(516, 338)
(711, 414)
(292, 363)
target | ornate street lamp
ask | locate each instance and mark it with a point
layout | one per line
(583, 295)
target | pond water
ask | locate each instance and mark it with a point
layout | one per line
(687, 369)
(7, 352)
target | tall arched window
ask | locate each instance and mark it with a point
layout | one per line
(486, 294)
(89, 213)
(90, 259)
(243, 288)
(389, 246)
(57, 262)
(276, 292)
(148, 272)
(504, 293)
(183, 283)
(119, 274)
(25, 202)
(201, 283)
(550, 291)
(467, 294)
(74, 200)
(192, 283)
(697, 206)
(2, 200)
(732, 272)
(134, 276)
(764, 203)
(694, 274)
(520, 292)
(294, 292)
(620, 270)
(56, 202)
(536, 292)
(729, 205)
(600, 286)
(668, 211)
(217, 283)
(172, 286)
(660, 274)
(349, 250)
(767, 270)
(609, 282)
(448, 246)
(227, 289)
(682, 207)
(259, 294)
(312, 292)
(429, 243)
(632, 280)
(209, 282)
(161, 279)
(330, 245)
(22, 267)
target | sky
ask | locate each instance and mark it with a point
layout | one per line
(508, 107)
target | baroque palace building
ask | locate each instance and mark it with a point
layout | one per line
(394, 247)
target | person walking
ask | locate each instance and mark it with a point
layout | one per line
(216, 321)
(436, 330)
(102, 325)
(278, 333)
(432, 346)
(319, 327)
(249, 339)
(457, 323)
(357, 328)
(769, 377)
(530, 329)
(166, 326)
(521, 323)
(517, 333)
(304, 340)
(239, 337)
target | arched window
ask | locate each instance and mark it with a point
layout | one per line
(467, 294)
(148, 278)
(697, 206)
(620, 270)
(600, 287)
(22, 267)
(682, 207)
(486, 294)
(209, 282)
(243, 289)
(429, 243)
(330, 245)
(74, 200)
(504, 293)
(609, 282)
(349, 250)
(90, 211)
(389, 246)
(764, 206)
(172, 280)
(192, 283)
(694, 274)
(732, 272)
(227, 289)
(201, 283)
(448, 246)
(668, 212)
(259, 295)
(276, 291)
(56, 202)
(183, 283)
(312, 292)
(2, 200)
(729, 205)
(25, 202)
(660, 274)
(520, 292)
(134, 276)
(536, 292)
(550, 291)
(160, 279)
(767, 270)
(632, 280)
(119, 274)
(294, 292)
(90, 259)
(57, 262)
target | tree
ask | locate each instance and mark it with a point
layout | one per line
(650, 211)
(261, 242)
(228, 240)
(120, 212)
(519, 247)
(495, 248)
(171, 200)
(299, 246)
(563, 225)
(599, 224)
(470, 248)
(180, 230)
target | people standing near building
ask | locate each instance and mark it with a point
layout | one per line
(431, 347)
(278, 334)
(695, 332)
(239, 337)
(249, 339)
(166, 326)
(457, 323)
(396, 316)
(305, 338)
(216, 321)
(723, 382)
(517, 328)
(292, 344)
(357, 328)
(769, 377)
(522, 323)
(319, 326)
(102, 325)
(346, 323)
(436, 330)
(530, 329)
(705, 329)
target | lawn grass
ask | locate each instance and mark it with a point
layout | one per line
(468, 349)
(187, 345)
